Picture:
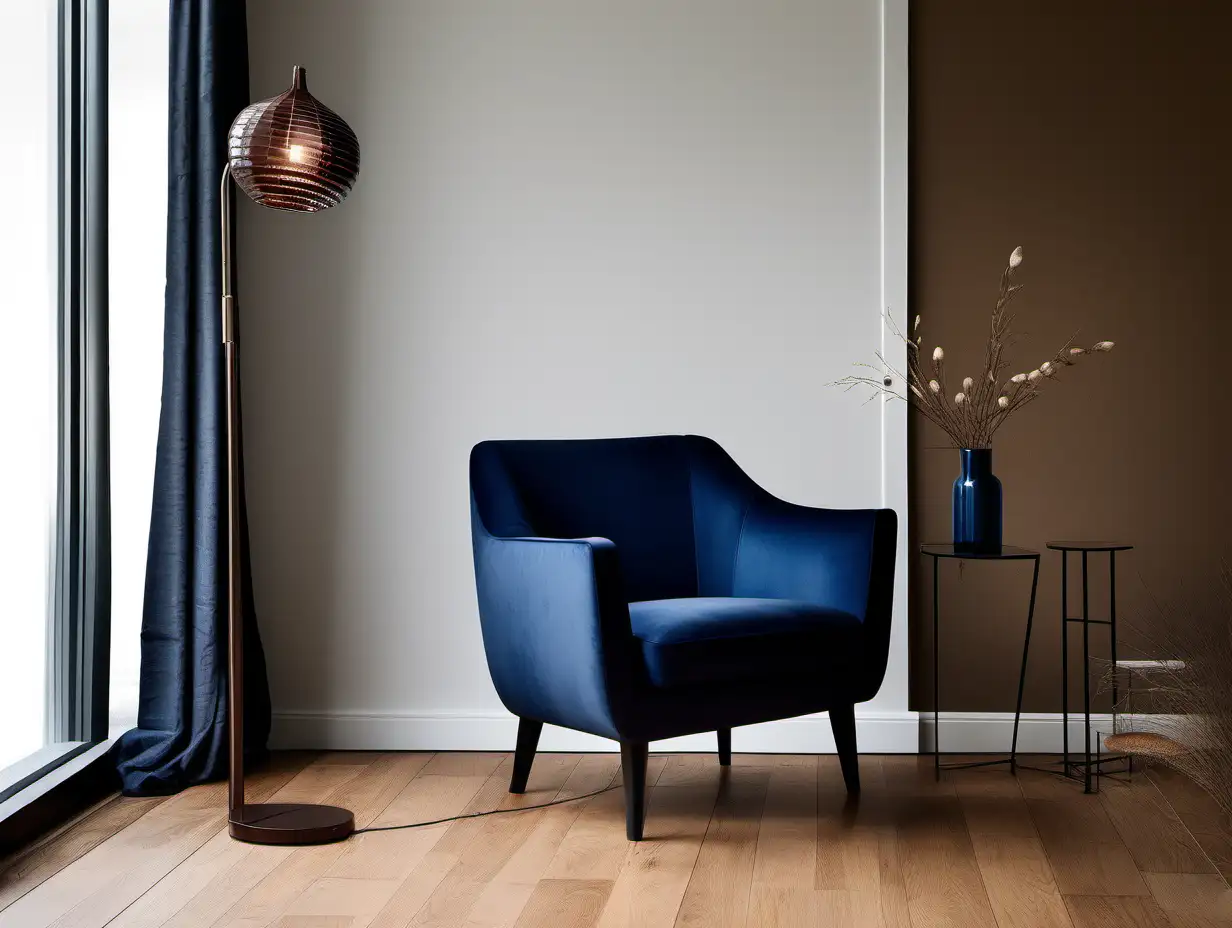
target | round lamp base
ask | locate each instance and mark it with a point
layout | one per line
(290, 823)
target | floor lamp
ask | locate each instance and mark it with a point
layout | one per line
(288, 152)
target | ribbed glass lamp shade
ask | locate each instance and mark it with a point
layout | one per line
(293, 152)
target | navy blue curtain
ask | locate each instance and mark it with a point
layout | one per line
(181, 733)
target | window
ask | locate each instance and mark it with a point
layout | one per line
(54, 481)
(29, 258)
(137, 91)
(81, 385)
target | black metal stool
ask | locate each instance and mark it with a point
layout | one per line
(1085, 548)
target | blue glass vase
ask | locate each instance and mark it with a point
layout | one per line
(977, 504)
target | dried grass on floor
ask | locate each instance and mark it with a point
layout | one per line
(1183, 716)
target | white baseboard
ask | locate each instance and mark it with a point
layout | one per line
(876, 733)
(993, 732)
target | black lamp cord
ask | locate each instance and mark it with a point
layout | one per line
(458, 818)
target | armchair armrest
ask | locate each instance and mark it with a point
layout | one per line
(841, 558)
(555, 628)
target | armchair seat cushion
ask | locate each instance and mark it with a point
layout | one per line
(721, 639)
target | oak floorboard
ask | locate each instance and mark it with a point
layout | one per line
(1087, 854)
(784, 906)
(1218, 849)
(34, 865)
(351, 758)
(500, 905)
(493, 843)
(850, 830)
(1019, 882)
(848, 909)
(892, 887)
(943, 882)
(988, 782)
(1116, 912)
(655, 765)
(274, 877)
(501, 901)
(774, 760)
(998, 815)
(717, 895)
(787, 840)
(392, 855)
(1154, 834)
(859, 869)
(691, 770)
(119, 870)
(464, 763)
(444, 846)
(1042, 783)
(793, 907)
(1187, 797)
(771, 841)
(330, 898)
(594, 847)
(565, 904)
(913, 775)
(652, 884)
(593, 772)
(1193, 899)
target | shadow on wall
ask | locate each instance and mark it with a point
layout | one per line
(301, 320)
(1091, 135)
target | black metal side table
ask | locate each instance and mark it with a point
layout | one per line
(1007, 553)
(1085, 548)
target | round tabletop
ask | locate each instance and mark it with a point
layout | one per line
(1088, 546)
(1007, 552)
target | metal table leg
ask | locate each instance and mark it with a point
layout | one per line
(1112, 618)
(1086, 675)
(1065, 660)
(1022, 674)
(936, 676)
(1113, 631)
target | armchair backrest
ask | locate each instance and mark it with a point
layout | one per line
(685, 519)
(633, 491)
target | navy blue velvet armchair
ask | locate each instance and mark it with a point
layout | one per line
(644, 588)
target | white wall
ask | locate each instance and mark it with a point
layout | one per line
(575, 218)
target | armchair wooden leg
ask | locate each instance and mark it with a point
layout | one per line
(524, 754)
(843, 724)
(724, 747)
(633, 755)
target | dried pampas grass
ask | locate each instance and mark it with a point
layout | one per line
(1179, 712)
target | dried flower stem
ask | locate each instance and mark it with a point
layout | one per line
(972, 417)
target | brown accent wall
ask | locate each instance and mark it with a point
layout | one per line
(1096, 135)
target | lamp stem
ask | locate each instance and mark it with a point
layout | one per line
(268, 822)
(235, 604)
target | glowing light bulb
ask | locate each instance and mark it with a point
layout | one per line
(298, 154)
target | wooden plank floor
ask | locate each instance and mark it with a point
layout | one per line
(774, 841)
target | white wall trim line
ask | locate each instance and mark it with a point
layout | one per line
(989, 732)
(876, 733)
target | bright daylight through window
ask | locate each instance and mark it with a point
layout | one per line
(137, 73)
(29, 89)
(78, 80)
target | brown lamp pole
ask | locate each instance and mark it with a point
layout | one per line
(288, 152)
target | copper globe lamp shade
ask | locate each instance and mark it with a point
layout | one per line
(289, 152)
